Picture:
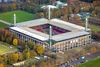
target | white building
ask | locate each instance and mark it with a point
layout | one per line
(64, 35)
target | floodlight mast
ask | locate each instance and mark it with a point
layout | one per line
(14, 19)
(86, 23)
(49, 13)
(49, 7)
(50, 37)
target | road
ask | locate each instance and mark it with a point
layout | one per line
(79, 61)
(5, 22)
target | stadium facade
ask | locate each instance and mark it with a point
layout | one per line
(54, 33)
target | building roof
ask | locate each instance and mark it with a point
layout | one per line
(75, 30)
(29, 33)
(49, 6)
(59, 3)
(69, 35)
(66, 25)
(32, 23)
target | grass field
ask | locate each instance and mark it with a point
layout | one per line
(21, 16)
(95, 28)
(5, 49)
(2, 25)
(93, 63)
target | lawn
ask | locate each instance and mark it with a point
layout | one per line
(4, 48)
(2, 25)
(95, 28)
(92, 63)
(21, 16)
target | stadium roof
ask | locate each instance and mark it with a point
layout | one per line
(76, 30)
(29, 33)
(69, 35)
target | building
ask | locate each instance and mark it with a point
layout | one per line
(10, 1)
(89, 1)
(5, 1)
(55, 33)
(94, 21)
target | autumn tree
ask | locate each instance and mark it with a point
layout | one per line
(93, 49)
(43, 64)
(15, 42)
(33, 54)
(40, 50)
(31, 45)
(30, 63)
(28, 54)
(33, 65)
(15, 57)
(1, 59)
(8, 39)
(2, 65)
(21, 57)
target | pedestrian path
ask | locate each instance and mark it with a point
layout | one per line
(2, 21)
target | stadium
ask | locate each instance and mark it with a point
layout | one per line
(54, 33)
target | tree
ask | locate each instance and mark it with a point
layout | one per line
(5, 59)
(93, 49)
(1, 65)
(1, 59)
(2, 38)
(21, 56)
(10, 59)
(33, 65)
(33, 54)
(8, 39)
(15, 57)
(40, 50)
(15, 42)
(30, 63)
(31, 45)
(83, 52)
(27, 53)
(44, 64)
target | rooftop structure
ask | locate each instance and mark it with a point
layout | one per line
(60, 4)
(39, 30)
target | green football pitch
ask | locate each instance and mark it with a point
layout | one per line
(21, 16)
(4, 48)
